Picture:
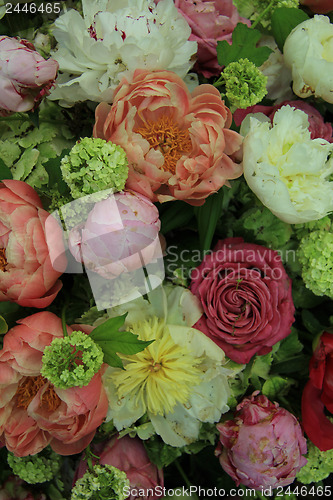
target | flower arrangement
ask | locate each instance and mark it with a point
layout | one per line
(166, 249)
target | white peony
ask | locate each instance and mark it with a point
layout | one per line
(308, 51)
(178, 381)
(285, 168)
(111, 40)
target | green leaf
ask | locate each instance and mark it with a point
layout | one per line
(244, 40)
(284, 20)
(111, 341)
(3, 326)
(276, 386)
(5, 173)
(296, 364)
(52, 167)
(34, 117)
(161, 454)
(207, 216)
(311, 323)
(177, 215)
(261, 365)
(289, 347)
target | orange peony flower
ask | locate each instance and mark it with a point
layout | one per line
(178, 144)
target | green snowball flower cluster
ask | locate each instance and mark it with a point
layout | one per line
(245, 83)
(94, 165)
(35, 468)
(302, 230)
(315, 255)
(71, 361)
(319, 466)
(104, 482)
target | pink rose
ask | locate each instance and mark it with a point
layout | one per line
(120, 233)
(34, 413)
(26, 274)
(129, 455)
(246, 297)
(317, 126)
(318, 6)
(178, 144)
(210, 22)
(25, 76)
(262, 446)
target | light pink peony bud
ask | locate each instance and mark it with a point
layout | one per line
(120, 235)
(25, 76)
(262, 446)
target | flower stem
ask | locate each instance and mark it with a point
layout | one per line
(63, 320)
(186, 479)
(257, 21)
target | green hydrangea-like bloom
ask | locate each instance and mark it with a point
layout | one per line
(315, 255)
(302, 230)
(245, 83)
(35, 468)
(319, 466)
(71, 361)
(104, 482)
(93, 165)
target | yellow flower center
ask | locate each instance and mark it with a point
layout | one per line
(3, 260)
(167, 137)
(160, 376)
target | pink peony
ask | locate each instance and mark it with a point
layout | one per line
(25, 76)
(317, 126)
(129, 455)
(317, 397)
(178, 144)
(34, 413)
(210, 22)
(120, 234)
(246, 298)
(318, 6)
(262, 446)
(26, 274)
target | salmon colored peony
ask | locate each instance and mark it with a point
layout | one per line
(178, 144)
(26, 274)
(33, 413)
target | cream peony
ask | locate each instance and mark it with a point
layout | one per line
(111, 40)
(287, 170)
(308, 51)
(180, 380)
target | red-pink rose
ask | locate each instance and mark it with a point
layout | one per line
(262, 446)
(246, 297)
(210, 22)
(178, 144)
(317, 398)
(25, 76)
(26, 274)
(129, 455)
(34, 413)
(317, 126)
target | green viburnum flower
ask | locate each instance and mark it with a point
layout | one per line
(245, 83)
(302, 230)
(94, 165)
(319, 466)
(71, 361)
(35, 468)
(104, 482)
(315, 255)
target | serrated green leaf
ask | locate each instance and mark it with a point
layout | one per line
(3, 326)
(9, 152)
(262, 365)
(244, 40)
(276, 386)
(25, 164)
(5, 173)
(289, 347)
(161, 454)
(283, 21)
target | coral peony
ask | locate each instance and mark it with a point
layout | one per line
(246, 298)
(178, 144)
(262, 446)
(26, 274)
(318, 128)
(129, 455)
(318, 395)
(34, 413)
(25, 76)
(210, 22)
